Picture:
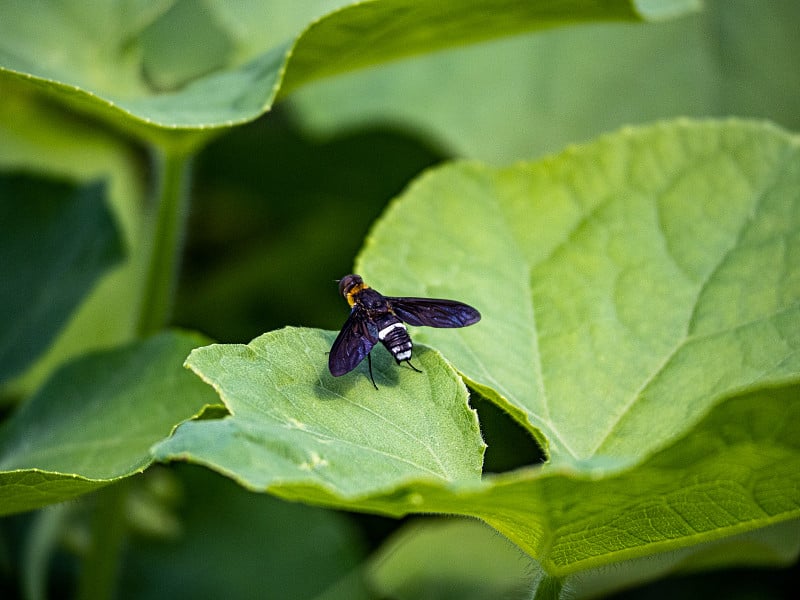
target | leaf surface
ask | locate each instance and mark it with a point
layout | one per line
(169, 65)
(713, 62)
(294, 428)
(58, 239)
(94, 421)
(625, 286)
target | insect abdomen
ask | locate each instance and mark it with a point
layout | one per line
(396, 339)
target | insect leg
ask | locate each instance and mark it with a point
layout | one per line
(408, 362)
(369, 363)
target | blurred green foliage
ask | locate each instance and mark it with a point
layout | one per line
(278, 216)
(280, 207)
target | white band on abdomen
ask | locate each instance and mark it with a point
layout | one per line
(385, 331)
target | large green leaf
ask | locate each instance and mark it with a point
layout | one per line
(94, 421)
(625, 286)
(58, 239)
(522, 97)
(298, 430)
(640, 302)
(172, 64)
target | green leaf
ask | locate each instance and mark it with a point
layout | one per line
(625, 286)
(37, 136)
(299, 432)
(168, 64)
(729, 59)
(94, 421)
(736, 472)
(460, 558)
(59, 238)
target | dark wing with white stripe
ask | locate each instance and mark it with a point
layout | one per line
(352, 345)
(434, 313)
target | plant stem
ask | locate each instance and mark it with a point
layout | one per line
(100, 566)
(172, 170)
(162, 244)
(548, 588)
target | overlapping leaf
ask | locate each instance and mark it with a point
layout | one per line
(737, 471)
(531, 95)
(299, 431)
(58, 239)
(168, 64)
(94, 421)
(37, 136)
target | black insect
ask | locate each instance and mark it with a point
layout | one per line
(377, 318)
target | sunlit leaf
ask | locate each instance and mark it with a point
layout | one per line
(625, 286)
(298, 430)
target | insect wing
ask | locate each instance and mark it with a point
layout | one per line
(434, 313)
(353, 343)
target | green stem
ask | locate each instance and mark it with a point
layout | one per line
(100, 566)
(165, 239)
(549, 588)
